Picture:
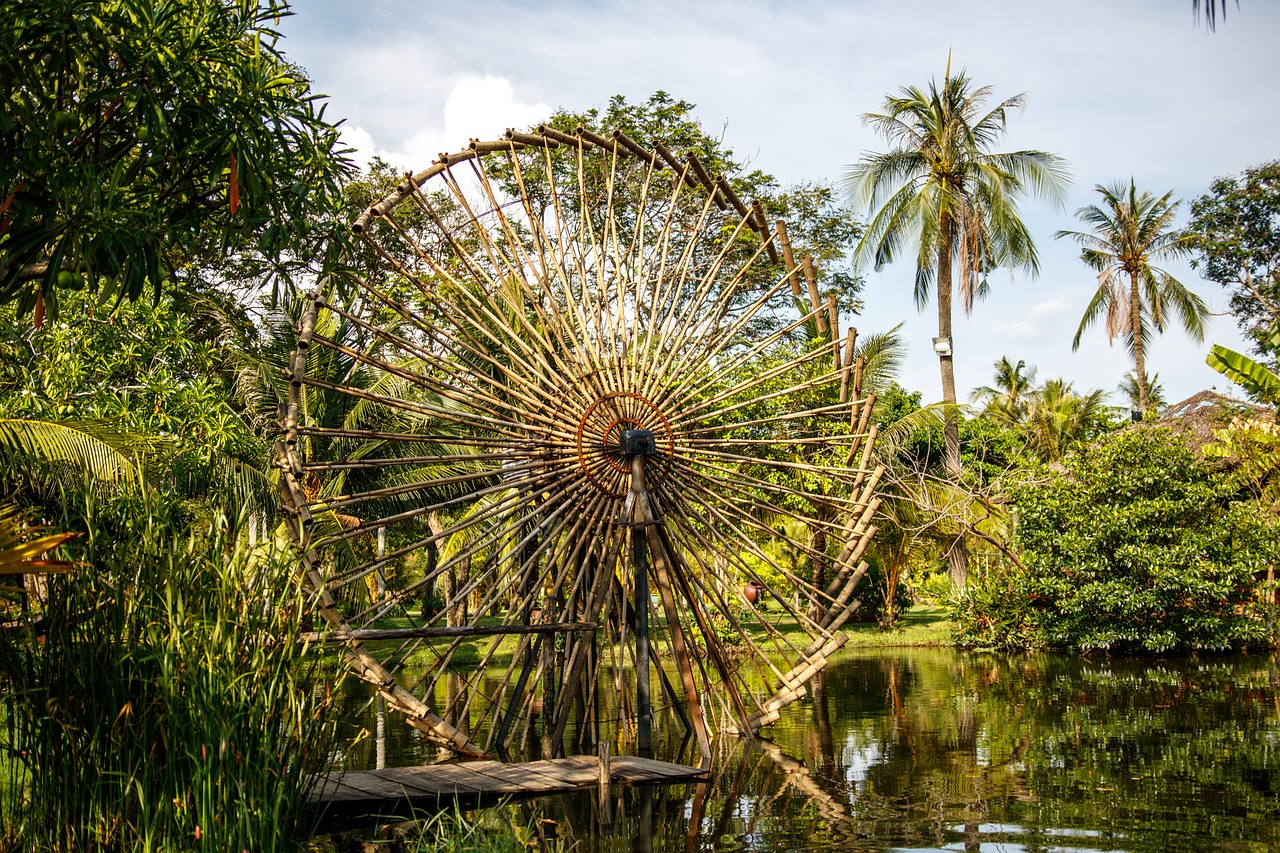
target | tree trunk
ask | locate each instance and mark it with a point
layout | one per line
(818, 607)
(1139, 357)
(957, 557)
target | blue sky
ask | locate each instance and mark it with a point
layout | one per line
(1119, 89)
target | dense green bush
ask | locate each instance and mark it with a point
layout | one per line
(1135, 545)
(166, 705)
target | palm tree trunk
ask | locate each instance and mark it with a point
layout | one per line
(958, 556)
(817, 607)
(1139, 358)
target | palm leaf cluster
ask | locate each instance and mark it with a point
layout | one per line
(1131, 231)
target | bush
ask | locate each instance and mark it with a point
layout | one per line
(166, 706)
(1137, 545)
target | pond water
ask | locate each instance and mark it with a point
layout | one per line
(932, 749)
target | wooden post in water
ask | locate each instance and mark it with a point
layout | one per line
(640, 563)
(602, 792)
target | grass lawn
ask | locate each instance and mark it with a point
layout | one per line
(920, 625)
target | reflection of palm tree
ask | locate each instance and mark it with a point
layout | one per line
(1007, 399)
(1130, 231)
(943, 190)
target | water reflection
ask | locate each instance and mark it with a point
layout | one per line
(933, 749)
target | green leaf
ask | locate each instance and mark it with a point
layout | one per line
(1254, 377)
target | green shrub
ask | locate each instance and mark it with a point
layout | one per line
(1136, 545)
(166, 707)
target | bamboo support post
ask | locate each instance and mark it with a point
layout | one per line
(787, 257)
(640, 566)
(602, 790)
(676, 632)
(833, 318)
(700, 172)
(757, 212)
(815, 300)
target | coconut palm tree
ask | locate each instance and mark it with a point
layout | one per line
(944, 193)
(1131, 231)
(1059, 417)
(1129, 387)
(1007, 399)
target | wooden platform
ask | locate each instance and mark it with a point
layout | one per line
(373, 790)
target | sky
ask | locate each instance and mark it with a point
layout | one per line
(1119, 89)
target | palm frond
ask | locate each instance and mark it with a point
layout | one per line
(99, 448)
(22, 552)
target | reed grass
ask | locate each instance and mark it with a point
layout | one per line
(167, 707)
(506, 828)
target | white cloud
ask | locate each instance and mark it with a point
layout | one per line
(1045, 310)
(1040, 324)
(476, 108)
(361, 142)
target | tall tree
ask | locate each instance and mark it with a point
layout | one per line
(1236, 228)
(942, 191)
(1130, 232)
(140, 141)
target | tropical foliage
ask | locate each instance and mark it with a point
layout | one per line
(1130, 232)
(1137, 545)
(144, 143)
(175, 712)
(1235, 231)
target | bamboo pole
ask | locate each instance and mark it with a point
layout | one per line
(815, 300)
(787, 257)
(700, 172)
(350, 634)
(833, 319)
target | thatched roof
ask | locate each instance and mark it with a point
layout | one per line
(1200, 414)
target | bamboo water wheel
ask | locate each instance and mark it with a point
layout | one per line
(586, 395)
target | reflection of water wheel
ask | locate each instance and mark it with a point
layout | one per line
(578, 356)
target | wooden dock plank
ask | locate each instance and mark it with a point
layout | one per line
(631, 767)
(374, 789)
(514, 779)
(431, 781)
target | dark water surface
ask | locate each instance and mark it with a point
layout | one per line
(928, 749)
